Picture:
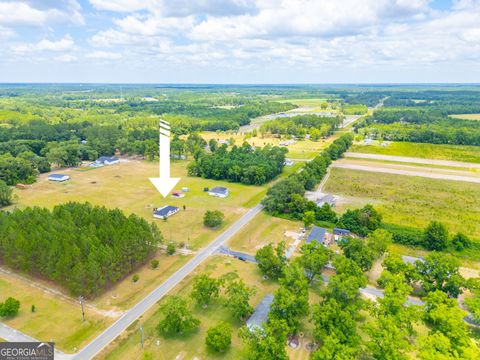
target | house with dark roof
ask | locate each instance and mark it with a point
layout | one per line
(316, 234)
(338, 233)
(259, 316)
(105, 160)
(326, 199)
(165, 212)
(218, 191)
(58, 177)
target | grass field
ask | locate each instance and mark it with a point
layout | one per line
(262, 230)
(408, 200)
(426, 151)
(126, 186)
(53, 319)
(192, 346)
(466, 116)
(302, 149)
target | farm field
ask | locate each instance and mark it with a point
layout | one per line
(410, 201)
(192, 345)
(302, 149)
(422, 150)
(466, 116)
(126, 186)
(54, 319)
(261, 231)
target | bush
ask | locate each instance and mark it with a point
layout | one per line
(171, 248)
(219, 337)
(213, 219)
(9, 308)
(154, 263)
(135, 278)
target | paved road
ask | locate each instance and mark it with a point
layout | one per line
(129, 317)
(413, 160)
(12, 335)
(397, 171)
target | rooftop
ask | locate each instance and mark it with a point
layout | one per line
(164, 211)
(57, 176)
(219, 190)
(259, 316)
(317, 234)
(339, 231)
(107, 158)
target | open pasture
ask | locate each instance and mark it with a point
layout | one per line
(422, 150)
(410, 200)
(466, 116)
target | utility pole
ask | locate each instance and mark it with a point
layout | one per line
(83, 311)
(141, 331)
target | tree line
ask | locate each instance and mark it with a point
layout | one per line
(84, 248)
(244, 164)
(286, 196)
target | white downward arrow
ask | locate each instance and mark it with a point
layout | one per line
(164, 183)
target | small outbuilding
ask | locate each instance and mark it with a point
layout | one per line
(259, 316)
(218, 191)
(105, 160)
(58, 177)
(288, 162)
(326, 199)
(339, 233)
(316, 234)
(165, 212)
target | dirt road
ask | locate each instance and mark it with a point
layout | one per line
(413, 160)
(424, 172)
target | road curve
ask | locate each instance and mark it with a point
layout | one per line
(95, 346)
(412, 160)
(426, 174)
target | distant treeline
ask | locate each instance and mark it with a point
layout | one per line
(300, 126)
(84, 248)
(420, 125)
(245, 164)
(286, 196)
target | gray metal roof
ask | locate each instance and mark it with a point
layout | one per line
(317, 234)
(259, 316)
(219, 190)
(57, 176)
(107, 158)
(165, 210)
(338, 231)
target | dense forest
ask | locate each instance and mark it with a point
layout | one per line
(84, 248)
(245, 164)
(302, 125)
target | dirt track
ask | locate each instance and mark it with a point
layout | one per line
(427, 172)
(413, 160)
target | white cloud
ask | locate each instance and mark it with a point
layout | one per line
(65, 58)
(39, 13)
(122, 5)
(64, 44)
(104, 55)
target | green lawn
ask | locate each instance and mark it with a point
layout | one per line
(408, 200)
(53, 320)
(261, 230)
(192, 346)
(421, 150)
(127, 186)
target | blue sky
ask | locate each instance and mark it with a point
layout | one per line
(240, 41)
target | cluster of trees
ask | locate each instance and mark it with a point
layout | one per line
(84, 248)
(9, 307)
(6, 194)
(354, 109)
(247, 165)
(421, 125)
(178, 318)
(213, 218)
(286, 196)
(300, 126)
(434, 237)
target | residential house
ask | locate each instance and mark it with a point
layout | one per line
(218, 191)
(259, 316)
(316, 234)
(58, 177)
(165, 212)
(105, 160)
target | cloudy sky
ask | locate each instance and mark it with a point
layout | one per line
(240, 41)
